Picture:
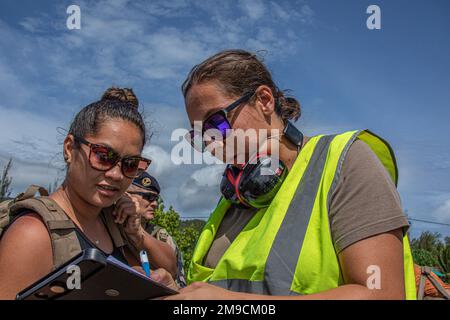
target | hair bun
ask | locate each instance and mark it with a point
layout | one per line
(121, 94)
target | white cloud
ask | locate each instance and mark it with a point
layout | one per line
(209, 176)
(200, 192)
(47, 73)
(25, 173)
(127, 41)
(442, 213)
(28, 136)
(31, 24)
(255, 9)
(161, 162)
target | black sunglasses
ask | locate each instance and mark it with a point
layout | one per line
(218, 120)
(104, 158)
(146, 195)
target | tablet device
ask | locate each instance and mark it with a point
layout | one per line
(98, 277)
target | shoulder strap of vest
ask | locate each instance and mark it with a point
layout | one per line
(65, 244)
(5, 206)
(379, 146)
(30, 193)
(118, 234)
(113, 228)
(292, 231)
(341, 148)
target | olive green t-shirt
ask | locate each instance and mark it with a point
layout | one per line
(365, 203)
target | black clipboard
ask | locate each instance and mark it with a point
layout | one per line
(102, 277)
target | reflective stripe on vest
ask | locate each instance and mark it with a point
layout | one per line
(286, 249)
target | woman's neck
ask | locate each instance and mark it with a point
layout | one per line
(288, 151)
(78, 209)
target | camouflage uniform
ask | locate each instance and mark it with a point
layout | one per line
(162, 235)
(148, 183)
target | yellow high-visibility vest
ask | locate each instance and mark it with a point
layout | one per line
(286, 248)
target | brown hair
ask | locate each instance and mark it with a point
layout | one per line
(238, 72)
(116, 103)
(125, 95)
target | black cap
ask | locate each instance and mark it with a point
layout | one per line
(147, 182)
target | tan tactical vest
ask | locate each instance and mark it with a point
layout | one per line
(65, 244)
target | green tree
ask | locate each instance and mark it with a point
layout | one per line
(428, 241)
(5, 182)
(429, 250)
(169, 220)
(424, 257)
(447, 241)
(444, 261)
(187, 240)
(185, 233)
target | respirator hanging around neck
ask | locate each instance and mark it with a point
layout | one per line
(256, 183)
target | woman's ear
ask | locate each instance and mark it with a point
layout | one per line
(265, 100)
(68, 148)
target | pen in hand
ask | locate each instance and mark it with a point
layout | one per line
(144, 262)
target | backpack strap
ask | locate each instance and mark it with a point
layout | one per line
(119, 236)
(5, 217)
(113, 228)
(62, 231)
(30, 193)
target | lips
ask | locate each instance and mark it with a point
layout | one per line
(107, 190)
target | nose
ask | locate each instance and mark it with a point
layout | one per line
(154, 204)
(115, 173)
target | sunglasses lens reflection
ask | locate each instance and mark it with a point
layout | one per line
(215, 127)
(102, 158)
(219, 122)
(130, 167)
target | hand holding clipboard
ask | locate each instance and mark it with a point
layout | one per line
(101, 278)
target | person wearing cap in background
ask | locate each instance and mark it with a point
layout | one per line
(146, 190)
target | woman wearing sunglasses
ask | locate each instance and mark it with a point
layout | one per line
(102, 152)
(323, 222)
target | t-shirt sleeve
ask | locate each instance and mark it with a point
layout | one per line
(365, 202)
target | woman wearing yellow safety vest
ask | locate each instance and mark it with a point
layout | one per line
(303, 217)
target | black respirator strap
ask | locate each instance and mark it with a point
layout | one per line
(293, 134)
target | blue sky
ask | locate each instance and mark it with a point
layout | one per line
(394, 81)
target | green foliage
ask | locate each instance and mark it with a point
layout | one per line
(423, 257)
(186, 242)
(185, 233)
(429, 250)
(169, 220)
(428, 241)
(444, 261)
(197, 224)
(447, 241)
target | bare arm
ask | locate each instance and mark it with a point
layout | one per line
(384, 250)
(160, 254)
(25, 255)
